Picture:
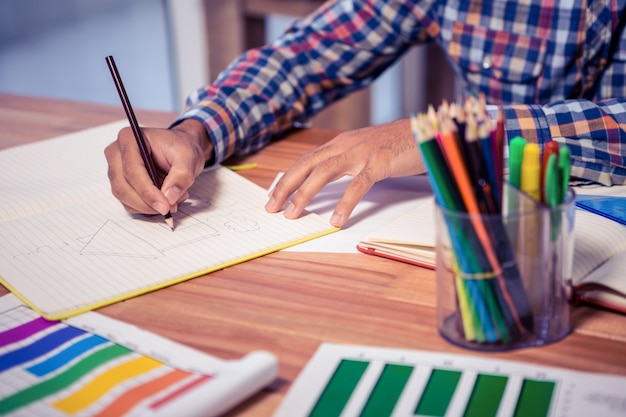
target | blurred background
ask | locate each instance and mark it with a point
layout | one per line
(164, 49)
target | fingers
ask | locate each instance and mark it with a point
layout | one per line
(177, 183)
(288, 183)
(321, 175)
(355, 191)
(172, 152)
(308, 175)
(368, 155)
(130, 182)
(312, 172)
(184, 158)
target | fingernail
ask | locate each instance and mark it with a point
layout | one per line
(161, 208)
(271, 205)
(290, 211)
(336, 220)
(173, 194)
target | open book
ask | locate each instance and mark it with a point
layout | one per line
(599, 251)
(67, 245)
(93, 365)
(409, 238)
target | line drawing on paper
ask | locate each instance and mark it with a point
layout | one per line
(196, 219)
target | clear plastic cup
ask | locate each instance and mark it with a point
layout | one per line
(502, 280)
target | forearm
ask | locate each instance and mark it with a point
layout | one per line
(319, 60)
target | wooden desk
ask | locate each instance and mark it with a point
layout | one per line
(288, 303)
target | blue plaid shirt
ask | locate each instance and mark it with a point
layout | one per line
(537, 59)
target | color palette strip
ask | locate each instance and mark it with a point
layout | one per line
(359, 381)
(443, 392)
(56, 369)
(438, 392)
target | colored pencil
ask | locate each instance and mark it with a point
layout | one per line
(457, 166)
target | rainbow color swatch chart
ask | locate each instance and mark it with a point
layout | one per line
(52, 368)
(346, 380)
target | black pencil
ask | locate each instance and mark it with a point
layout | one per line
(130, 114)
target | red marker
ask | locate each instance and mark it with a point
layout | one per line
(549, 148)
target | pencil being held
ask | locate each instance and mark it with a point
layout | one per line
(134, 125)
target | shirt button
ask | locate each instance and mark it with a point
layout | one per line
(487, 62)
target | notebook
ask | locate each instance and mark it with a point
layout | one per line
(67, 245)
(93, 365)
(409, 238)
(599, 251)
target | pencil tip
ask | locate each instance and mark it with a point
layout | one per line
(169, 220)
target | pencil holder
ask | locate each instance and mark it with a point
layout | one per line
(502, 279)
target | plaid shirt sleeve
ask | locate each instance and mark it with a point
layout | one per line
(338, 49)
(512, 51)
(594, 131)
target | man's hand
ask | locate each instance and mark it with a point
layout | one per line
(179, 155)
(368, 155)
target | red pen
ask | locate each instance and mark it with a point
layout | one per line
(498, 148)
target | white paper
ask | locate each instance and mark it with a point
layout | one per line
(385, 201)
(571, 393)
(213, 385)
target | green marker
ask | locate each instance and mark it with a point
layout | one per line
(552, 184)
(516, 155)
(564, 169)
(552, 192)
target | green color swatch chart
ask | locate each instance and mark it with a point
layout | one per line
(345, 380)
(477, 394)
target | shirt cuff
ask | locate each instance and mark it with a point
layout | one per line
(527, 121)
(219, 128)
